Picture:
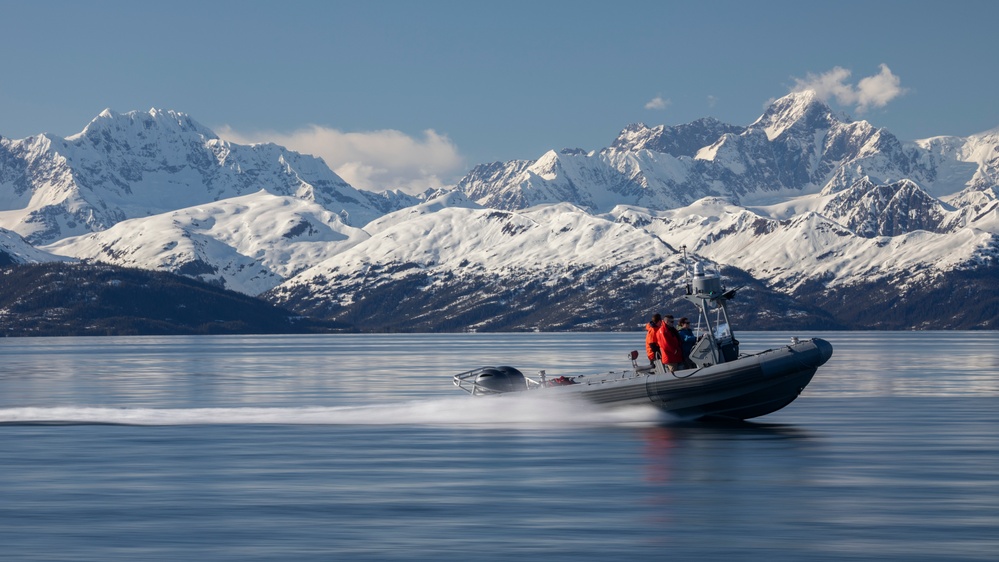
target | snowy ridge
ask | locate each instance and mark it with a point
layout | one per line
(677, 140)
(452, 264)
(810, 247)
(249, 243)
(124, 166)
(797, 147)
(458, 237)
(17, 250)
(800, 204)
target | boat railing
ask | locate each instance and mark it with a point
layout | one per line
(470, 381)
(467, 382)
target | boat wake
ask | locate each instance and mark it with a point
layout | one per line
(508, 411)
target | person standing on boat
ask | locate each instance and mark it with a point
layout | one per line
(652, 337)
(687, 340)
(671, 346)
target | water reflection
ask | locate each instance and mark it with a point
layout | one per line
(666, 444)
(359, 447)
(344, 370)
(658, 453)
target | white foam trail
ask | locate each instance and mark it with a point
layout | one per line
(525, 411)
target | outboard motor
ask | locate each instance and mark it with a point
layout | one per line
(497, 380)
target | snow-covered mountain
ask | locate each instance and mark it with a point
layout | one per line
(797, 147)
(954, 159)
(451, 264)
(825, 221)
(809, 203)
(16, 250)
(248, 243)
(811, 246)
(125, 166)
(448, 264)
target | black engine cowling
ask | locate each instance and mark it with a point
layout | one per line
(497, 380)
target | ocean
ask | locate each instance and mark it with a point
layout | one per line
(358, 447)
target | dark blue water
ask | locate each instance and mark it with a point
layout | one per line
(359, 448)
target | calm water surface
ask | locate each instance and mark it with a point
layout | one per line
(359, 448)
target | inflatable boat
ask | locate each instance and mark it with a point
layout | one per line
(718, 381)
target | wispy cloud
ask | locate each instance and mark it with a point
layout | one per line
(371, 160)
(872, 91)
(658, 102)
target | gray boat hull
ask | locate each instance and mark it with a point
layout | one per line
(747, 387)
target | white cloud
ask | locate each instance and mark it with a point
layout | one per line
(872, 91)
(371, 160)
(658, 102)
(879, 89)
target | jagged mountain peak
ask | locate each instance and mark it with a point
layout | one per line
(141, 163)
(549, 164)
(143, 124)
(893, 209)
(635, 134)
(802, 109)
(798, 146)
(676, 140)
(903, 187)
(834, 202)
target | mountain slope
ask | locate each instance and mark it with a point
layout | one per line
(56, 299)
(810, 248)
(797, 147)
(826, 222)
(124, 166)
(452, 265)
(16, 250)
(249, 243)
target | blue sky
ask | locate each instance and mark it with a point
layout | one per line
(412, 93)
